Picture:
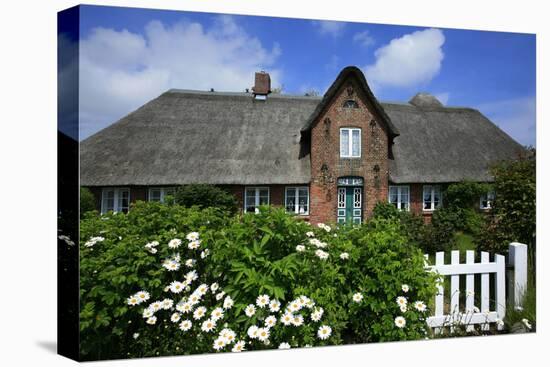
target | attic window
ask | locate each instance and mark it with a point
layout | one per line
(350, 103)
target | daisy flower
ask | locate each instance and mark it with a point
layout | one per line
(184, 307)
(252, 332)
(357, 297)
(400, 322)
(152, 320)
(176, 287)
(317, 314)
(202, 289)
(155, 306)
(421, 306)
(185, 325)
(401, 301)
(287, 318)
(147, 313)
(132, 301)
(205, 253)
(263, 334)
(228, 302)
(274, 305)
(310, 304)
(403, 308)
(300, 248)
(216, 314)
(208, 325)
(303, 300)
(190, 276)
(193, 245)
(199, 313)
(143, 296)
(192, 236)
(194, 299)
(171, 265)
(238, 347)
(262, 300)
(284, 345)
(175, 243)
(324, 332)
(214, 287)
(298, 320)
(219, 343)
(294, 306)
(175, 317)
(405, 288)
(310, 234)
(189, 263)
(250, 310)
(220, 295)
(270, 321)
(321, 254)
(344, 256)
(167, 303)
(228, 334)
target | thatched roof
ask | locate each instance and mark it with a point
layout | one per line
(185, 137)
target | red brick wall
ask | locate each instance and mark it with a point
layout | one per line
(325, 152)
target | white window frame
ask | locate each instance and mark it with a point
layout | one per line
(489, 197)
(163, 191)
(257, 196)
(296, 195)
(399, 189)
(349, 153)
(432, 192)
(117, 191)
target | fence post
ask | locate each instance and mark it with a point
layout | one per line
(517, 258)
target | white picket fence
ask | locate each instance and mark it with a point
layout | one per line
(469, 313)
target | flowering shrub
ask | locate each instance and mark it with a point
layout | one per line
(164, 280)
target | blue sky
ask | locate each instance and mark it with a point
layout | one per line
(129, 56)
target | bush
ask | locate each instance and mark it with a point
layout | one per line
(206, 196)
(412, 226)
(87, 201)
(465, 194)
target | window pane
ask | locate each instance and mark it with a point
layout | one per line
(437, 196)
(427, 197)
(290, 200)
(356, 136)
(154, 195)
(108, 200)
(264, 196)
(344, 143)
(123, 200)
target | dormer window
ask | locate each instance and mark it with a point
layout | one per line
(350, 143)
(350, 103)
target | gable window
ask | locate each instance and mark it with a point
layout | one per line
(350, 143)
(350, 103)
(254, 197)
(398, 196)
(297, 200)
(486, 200)
(115, 199)
(431, 197)
(159, 193)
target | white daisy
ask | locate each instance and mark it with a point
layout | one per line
(252, 332)
(270, 321)
(147, 313)
(401, 301)
(403, 308)
(176, 287)
(216, 314)
(199, 313)
(192, 236)
(208, 325)
(228, 334)
(317, 314)
(152, 320)
(250, 310)
(324, 332)
(136, 335)
(142, 296)
(284, 345)
(194, 299)
(294, 306)
(132, 301)
(191, 276)
(214, 287)
(400, 322)
(193, 245)
(175, 243)
(274, 305)
(421, 306)
(321, 254)
(405, 288)
(228, 302)
(155, 306)
(298, 320)
(186, 325)
(202, 289)
(171, 265)
(287, 318)
(300, 248)
(344, 256)
(262, 300)
(189, 263)
(184, 307)
(263, 334)
(219, 343)
(220, 295)
(357, 297)
(310, 304)
(205, 253)
(175, 317)
(239, 346)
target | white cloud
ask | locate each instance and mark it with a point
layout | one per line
(330, 27)
(363, 38)
(121, 70)
(411, 60)
(517, 117)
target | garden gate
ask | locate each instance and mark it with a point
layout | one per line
(487, 312)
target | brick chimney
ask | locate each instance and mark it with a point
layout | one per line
(262, 85)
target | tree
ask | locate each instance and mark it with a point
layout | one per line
(87, 201)
(206, 196)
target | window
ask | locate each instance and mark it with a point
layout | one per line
(159, 193)
(350, 143)
(398, 196)
(350, 103)
(254, 197)
(431, 197)
(486, 200)
(115, 199)
(297, 200)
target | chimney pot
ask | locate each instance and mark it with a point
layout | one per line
(262, 83)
